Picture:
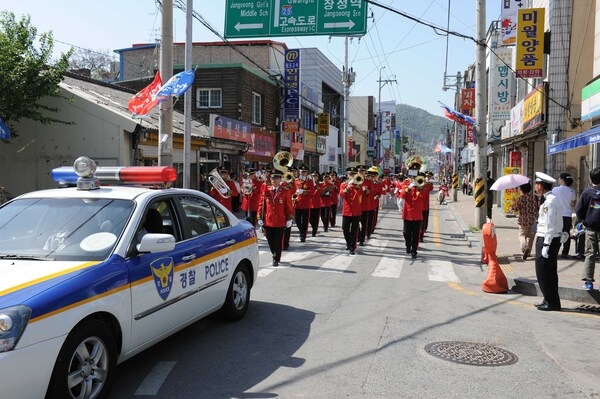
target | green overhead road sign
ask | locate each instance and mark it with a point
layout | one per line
(260, 18)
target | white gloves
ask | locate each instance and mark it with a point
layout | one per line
(411, 185)
(260, 223)
(299, 191)
(545, 252)
(288, 224)
(223, 190)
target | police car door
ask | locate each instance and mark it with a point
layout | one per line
(161, 300)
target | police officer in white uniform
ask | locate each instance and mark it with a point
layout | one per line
(547, 242)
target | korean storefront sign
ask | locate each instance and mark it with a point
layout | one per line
(530, 43)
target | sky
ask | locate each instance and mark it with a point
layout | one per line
(411, 56)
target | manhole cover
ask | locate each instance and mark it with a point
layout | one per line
(588, 308)
(471, 353)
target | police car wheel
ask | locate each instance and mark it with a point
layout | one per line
(86, 363)
(238, 295)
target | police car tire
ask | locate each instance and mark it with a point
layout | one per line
(238, 295)
(89, 333)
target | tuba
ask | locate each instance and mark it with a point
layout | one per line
(215, 179)
(282, 161)
(246, 186)
(288, 177)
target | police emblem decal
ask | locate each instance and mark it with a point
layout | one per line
(162, 272)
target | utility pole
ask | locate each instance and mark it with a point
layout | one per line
(165, 116)
(187, 104)
(480, 189)
(379, 124)
(345, 81)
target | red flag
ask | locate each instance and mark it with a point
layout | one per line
(144, 101)
(438, 148)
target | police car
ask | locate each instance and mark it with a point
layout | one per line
(92, 275)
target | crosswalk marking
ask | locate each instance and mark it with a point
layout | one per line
(337, 263)
(443, 271)
(388, 267)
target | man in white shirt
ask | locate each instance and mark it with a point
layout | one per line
(566, 198)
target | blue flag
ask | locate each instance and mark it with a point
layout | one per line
(177, 85)
(4, 132)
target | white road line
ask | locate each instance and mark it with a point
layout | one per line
(376, 242)
(265, 271)
(155, 379)
(337, 263)
(388, 267)
(443, 271)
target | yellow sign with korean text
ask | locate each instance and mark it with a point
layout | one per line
(323, 124)
(512, 194)
(530, 42)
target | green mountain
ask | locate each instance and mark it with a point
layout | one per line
(422, 130)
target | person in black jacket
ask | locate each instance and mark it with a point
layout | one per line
(588, 211)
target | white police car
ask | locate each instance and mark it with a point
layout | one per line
(94, 274)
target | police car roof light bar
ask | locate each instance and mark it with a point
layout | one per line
(66, 175)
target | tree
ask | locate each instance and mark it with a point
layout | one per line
(96, 62)
(26, 75)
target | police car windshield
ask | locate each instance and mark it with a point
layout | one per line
(57, 228)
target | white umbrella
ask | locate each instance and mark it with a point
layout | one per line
(509, 181)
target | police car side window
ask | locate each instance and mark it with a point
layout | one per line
(200, 215)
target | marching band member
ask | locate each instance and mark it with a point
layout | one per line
(376, 194)
(304, 189)
(275, 213)
(224, 195)
(335, 198)
(315, 203)
(252, 199)
(351, 209)
(327, 190)
(367, 205)
(290, 187)
(412, 213)
(425, 191)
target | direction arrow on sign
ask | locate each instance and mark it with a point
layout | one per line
(260, 18)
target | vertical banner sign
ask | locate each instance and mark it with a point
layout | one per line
(511, 195)
(371, 143)
(467, 105)
(500, 91)
(291, 77)
(323, 124)
(530, 43)
(515, 158)
(508, 16)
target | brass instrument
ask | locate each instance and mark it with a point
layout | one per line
(246, 186)
(294, 198)
(282, 161)
(288, 177)
(419, 181)
(327, 189)
(414, 162)
(358, 179)
(215, 179)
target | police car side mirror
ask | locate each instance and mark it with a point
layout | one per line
(152, 243)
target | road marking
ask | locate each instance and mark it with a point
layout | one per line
(155, 379)
(336, 264)
(389, 268)
(443, 271)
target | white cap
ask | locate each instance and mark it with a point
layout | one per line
(544, 178)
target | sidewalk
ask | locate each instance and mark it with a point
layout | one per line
(520, 274)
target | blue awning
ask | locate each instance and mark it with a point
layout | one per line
(591, 136)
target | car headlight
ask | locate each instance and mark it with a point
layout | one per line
(13, 321)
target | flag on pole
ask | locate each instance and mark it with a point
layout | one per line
(177, 85)
(144, 100)
(456, 116)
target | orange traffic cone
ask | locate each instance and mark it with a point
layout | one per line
(495, 282)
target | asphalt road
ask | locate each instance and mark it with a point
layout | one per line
(325, 324)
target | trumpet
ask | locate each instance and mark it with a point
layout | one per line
(282, 161)
(215, 179)
(358, 179)
(419, 181)
(294, 198)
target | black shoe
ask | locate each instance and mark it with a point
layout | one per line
(362, 244)
(408, 250)
(302, 239)
(413, 254)
(325, 229)
(314, 234)
(543, 303)
(565, 256)
(548, 308)
(526, 254)
(275, 263)
(286, 247)
(352, 252)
